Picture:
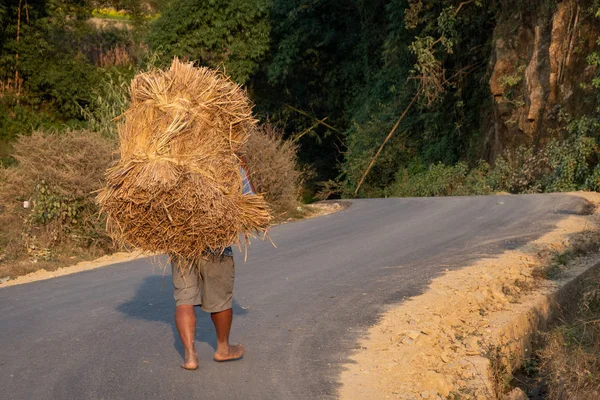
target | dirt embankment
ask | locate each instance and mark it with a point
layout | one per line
(439, 344)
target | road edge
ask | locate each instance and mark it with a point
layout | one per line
(331, 207)
(439, 344)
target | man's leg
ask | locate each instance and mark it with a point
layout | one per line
(185, 320)
(225, 352)
(187, 294)
(218, 275)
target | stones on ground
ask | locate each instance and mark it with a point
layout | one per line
(438, 382)
(5, 279)
(479, 297)
(473, 343)
(407, 397)
(413, 334)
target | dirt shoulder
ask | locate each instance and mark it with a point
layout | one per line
(304, 212)
(42, 274)
(438, 345)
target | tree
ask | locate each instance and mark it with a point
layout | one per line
(45, 78)
(232, 33)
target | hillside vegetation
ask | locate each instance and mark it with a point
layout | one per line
(430, 97)
(492, 79)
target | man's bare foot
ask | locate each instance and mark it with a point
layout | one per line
(191, 361)
(233, 352)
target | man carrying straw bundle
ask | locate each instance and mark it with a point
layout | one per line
(210, 286)
(179, 188)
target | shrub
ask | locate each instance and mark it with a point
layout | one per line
(273, 168)
(519, 171)
(442, 180)
(437, 180)
(56, 173)
(558, 166)
(570, 162)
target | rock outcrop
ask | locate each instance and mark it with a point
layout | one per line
(538, 66)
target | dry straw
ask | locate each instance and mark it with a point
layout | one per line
(177, 187)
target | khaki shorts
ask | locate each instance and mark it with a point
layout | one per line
(210, 284)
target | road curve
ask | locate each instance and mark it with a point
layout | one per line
(299, 308)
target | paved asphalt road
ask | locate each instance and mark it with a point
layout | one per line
(299, 308)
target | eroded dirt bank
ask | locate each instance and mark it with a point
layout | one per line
(438, 345)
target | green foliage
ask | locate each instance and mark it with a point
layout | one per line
(232, 33)
(445, 128)
(131, 13)
(59, 65)
(446, 125)
(109, 100)
(63, 86)
(559, 166)
(594, 60)
(45, 78)
(111, 13)
(442, 180)
(322, 53)
(49, 206)
(511, 83)
(335, 75)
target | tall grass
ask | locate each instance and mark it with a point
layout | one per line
(569, 361)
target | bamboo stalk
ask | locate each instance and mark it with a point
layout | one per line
(412, 102)
(18, 87)
(318, 121)
(298, 136)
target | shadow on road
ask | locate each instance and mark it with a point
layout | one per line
(153, 301)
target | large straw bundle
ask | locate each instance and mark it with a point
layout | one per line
(177, 187)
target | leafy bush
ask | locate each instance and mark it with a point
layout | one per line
(442, 180)
(437, 180)
(273, 168)
(56, 173)
(559, 166)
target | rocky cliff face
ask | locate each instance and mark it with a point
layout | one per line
(538, 66)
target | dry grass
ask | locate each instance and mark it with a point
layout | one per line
(570, 357)
(273, 167)
(567, 363)
(72, 163)
(177, 187)
(581, 244)
(116, 56)
(56, 173)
